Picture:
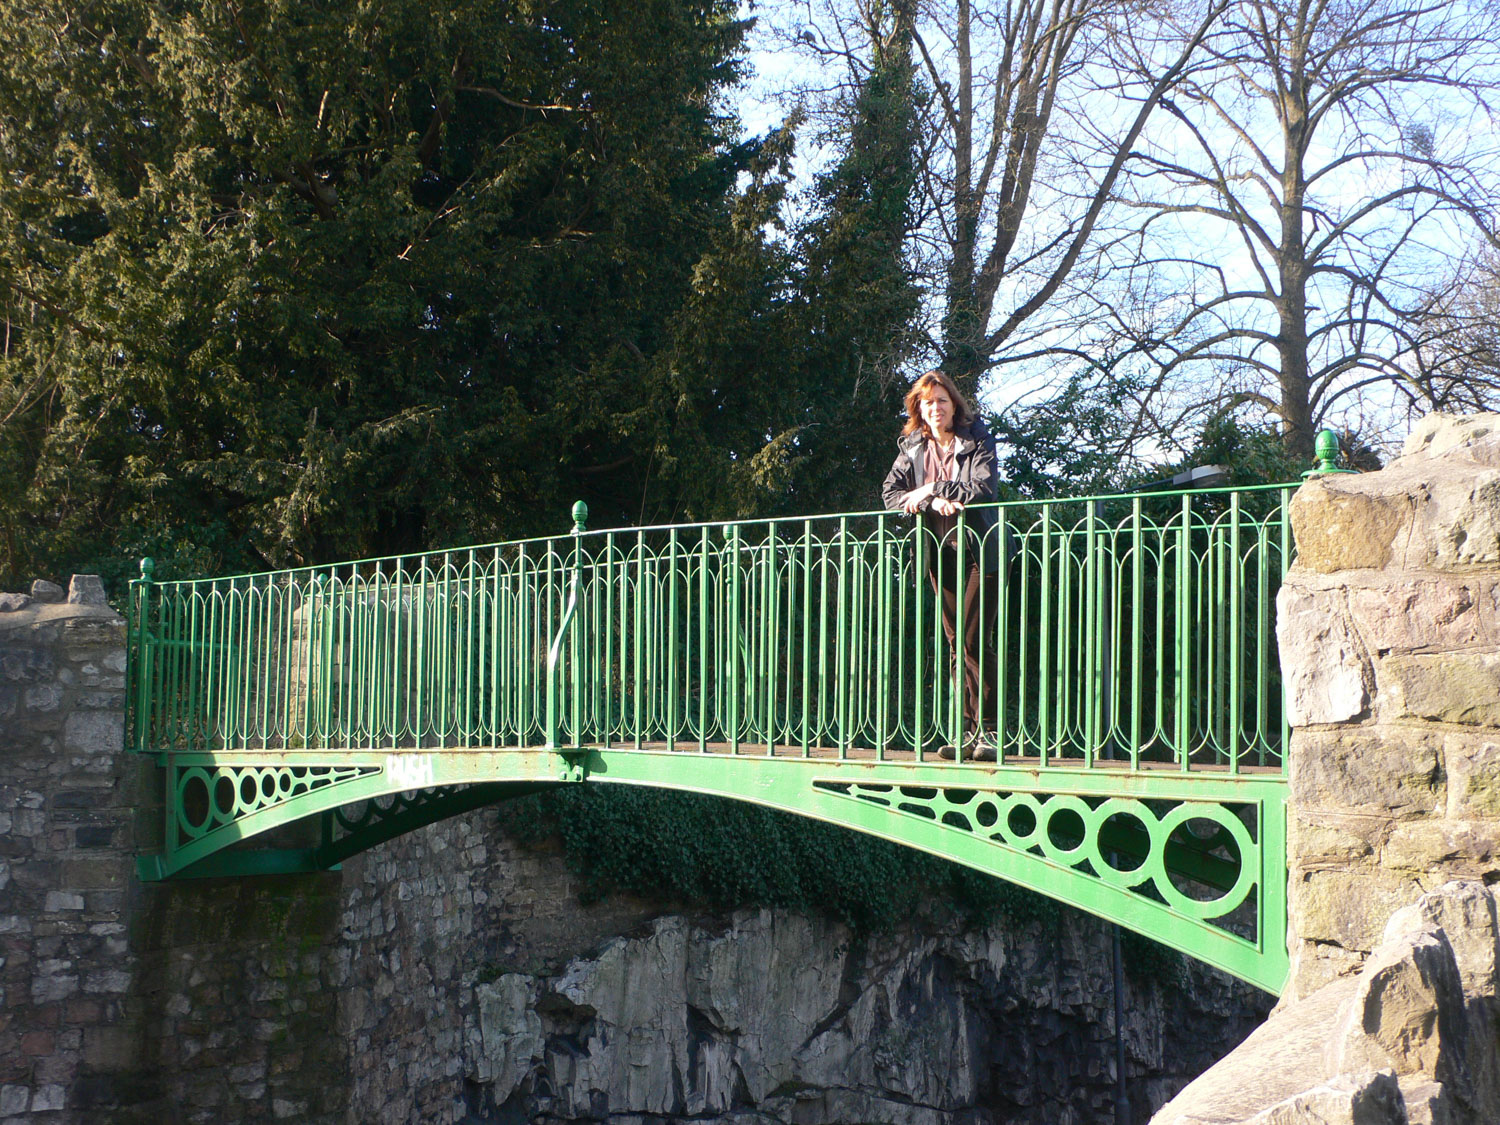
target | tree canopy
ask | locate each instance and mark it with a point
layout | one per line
(282, 283)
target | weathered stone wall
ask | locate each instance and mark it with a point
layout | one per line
(1389, 629)
(66, 828)
(126, 1002)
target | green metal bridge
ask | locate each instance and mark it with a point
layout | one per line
(302, 716)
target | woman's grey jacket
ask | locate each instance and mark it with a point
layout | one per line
(974, 482)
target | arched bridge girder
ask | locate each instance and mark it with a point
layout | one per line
(1193, 861)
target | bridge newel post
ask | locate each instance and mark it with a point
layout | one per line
(580, 527)
(1326, 450)
(140, 608)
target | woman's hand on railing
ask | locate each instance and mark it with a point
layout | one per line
(912, 502)
(945, 507)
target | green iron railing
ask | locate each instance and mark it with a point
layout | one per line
(1128, 631)
(1129, 656)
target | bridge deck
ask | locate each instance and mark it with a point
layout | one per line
(904, 755)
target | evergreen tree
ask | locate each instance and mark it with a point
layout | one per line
(284, 283)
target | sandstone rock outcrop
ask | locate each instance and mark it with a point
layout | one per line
(1389, 631)
(1411, 1038)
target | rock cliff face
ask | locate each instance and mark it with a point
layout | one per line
(493, 988)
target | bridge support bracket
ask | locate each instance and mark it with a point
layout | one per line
(573, 763)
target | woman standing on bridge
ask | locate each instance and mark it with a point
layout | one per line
(947, 462)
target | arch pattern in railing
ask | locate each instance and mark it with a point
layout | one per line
(1129, 667)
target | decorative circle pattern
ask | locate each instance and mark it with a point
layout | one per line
(209, 798)
(1153, 848)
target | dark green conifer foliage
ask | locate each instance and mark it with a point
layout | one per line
(858, 302)
(284, 282)
(801, 337)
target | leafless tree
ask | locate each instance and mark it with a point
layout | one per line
(1329, 160)
(1014, 180)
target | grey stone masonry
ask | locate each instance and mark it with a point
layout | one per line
(1389, 631)
(66, 842)
(202, 1002)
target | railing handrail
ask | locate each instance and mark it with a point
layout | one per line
(1000, 505)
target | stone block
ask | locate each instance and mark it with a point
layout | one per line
(1444, 848)
(102, 872)
(1341, 526)
(86, 589)
(94, 732)
(63, 900)
(1392, 773)
(1427, 612)
(27, 665)
(1470, 437)
(93, 836)
(1347, 907)
(1472, 764)
(1325, 669)
(103, 629)
(51, 1098)
(1450, 687)
(14, 603)
(1457, 526)
(48, 593)
(42, 697)
(14, 1100)
(1465, 911)
(1322, 836)
(51, 988)
(110, 1048)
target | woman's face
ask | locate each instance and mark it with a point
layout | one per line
(937, 411)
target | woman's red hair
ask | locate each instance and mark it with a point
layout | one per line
(922, 390)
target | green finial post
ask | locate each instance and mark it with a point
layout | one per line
(1326, 451)
(580, 517)
(148, 568)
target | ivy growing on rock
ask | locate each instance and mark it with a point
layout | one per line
(718, 854)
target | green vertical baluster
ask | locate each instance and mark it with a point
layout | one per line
(672, 640)
(1236, 635)
(1090, 685)
(1263, 647)
(1182, 680)
(496, 663)
(806, 594)
(732, 638)
(841, 643)
(140, 601)
(524, 649)
(883, 638)
(770, 623)
(607, 673)
(822, 721)
(638, 631)
(960, 673)
(1286, 562)
(1044, 647)
(575, 652)
(704, 617)
(919, 696)
(1002, 639)
(1137, 623)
